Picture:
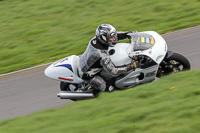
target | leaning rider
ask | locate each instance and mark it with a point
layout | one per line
(96, 57)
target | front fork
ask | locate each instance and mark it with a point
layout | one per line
(164, 67)
(168, 55)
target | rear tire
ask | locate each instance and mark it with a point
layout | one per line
(64, 86)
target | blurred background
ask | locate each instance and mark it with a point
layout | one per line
(34, 32)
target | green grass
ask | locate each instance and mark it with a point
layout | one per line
(34, 32)
(169, 105)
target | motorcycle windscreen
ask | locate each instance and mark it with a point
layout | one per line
(142, 41)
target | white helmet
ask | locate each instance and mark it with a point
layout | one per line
(107, 34)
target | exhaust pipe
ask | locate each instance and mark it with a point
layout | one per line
(74, 95)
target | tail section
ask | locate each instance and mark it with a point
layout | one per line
(64, 70)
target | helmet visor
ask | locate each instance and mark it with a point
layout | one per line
(112, 39)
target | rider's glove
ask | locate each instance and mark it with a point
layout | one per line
(132, 66)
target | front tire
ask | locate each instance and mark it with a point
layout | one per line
(182, 60)
(175, 63)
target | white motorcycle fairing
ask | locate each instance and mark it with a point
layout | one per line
(65, 70)
(124, 53)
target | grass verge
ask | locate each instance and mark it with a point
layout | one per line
(34, 32)
(169, 105)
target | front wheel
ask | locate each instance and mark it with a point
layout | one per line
(172, 64)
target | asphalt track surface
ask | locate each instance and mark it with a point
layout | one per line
(28, 91)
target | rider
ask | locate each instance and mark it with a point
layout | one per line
(96, 57)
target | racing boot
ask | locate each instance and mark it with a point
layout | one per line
(97, 83)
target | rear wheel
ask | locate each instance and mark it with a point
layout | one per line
(67, 86)
(174, 63)
(76, 88)
(64, 86)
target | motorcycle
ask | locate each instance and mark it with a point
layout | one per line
(148, 48)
